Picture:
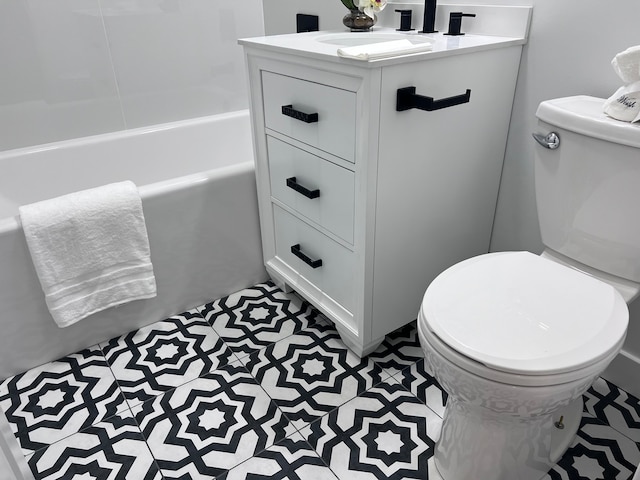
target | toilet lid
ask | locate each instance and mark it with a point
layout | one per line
(521, 313)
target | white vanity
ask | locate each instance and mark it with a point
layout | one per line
(362, 205)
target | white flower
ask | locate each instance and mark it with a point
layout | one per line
(371, 7)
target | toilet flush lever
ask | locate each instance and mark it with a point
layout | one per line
(550, 141)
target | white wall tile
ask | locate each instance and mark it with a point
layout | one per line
(178, 59)
(72, 68)
(57, 77)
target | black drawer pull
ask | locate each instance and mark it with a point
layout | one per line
(407, 98)
(295, 249)
(291, 183)
(289, 111)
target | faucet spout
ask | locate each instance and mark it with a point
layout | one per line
(429, 20)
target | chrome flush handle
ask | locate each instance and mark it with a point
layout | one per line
(550, 141)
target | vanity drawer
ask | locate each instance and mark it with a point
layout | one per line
(331, 129)
(320, 190)
(323, 262)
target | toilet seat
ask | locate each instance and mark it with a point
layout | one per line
(520, 316)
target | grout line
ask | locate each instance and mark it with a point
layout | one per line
(144, 438)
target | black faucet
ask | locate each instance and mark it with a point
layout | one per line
(429, 21)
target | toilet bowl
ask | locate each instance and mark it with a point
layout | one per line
(514, 338)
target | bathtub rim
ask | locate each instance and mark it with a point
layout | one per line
(11, 223)
(152, 190)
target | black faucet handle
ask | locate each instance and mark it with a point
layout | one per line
(455, 22)
(405, 21)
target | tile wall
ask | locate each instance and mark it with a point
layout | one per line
(72, 68)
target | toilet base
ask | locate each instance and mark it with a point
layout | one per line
(486, 446)
(562, 438)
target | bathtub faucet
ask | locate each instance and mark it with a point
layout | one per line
(429, 20)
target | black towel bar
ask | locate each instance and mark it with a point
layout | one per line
(406, 98)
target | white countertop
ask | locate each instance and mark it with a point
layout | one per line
(307, 45)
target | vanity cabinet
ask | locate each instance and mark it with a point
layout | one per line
(362, 205)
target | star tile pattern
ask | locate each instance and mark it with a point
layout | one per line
(211, 424)
(55, 400)
(259, 385)
(384, 433)
(399, 350)
(256, 317)
(419, 381)
(113, 449)
(311, 373)
(598, 452)
(165, 355)
(290, 459)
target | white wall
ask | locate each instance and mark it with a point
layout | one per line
(71, 68)
(570, 47)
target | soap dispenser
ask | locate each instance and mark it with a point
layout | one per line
(455, 22)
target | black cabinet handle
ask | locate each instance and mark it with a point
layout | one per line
(291, 183)
(295, 249)
(407, 98)
(289, 111)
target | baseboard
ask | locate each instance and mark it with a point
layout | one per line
(624, 372)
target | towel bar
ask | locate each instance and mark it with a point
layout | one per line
(406, 98)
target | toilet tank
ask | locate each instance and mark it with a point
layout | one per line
(588, 189)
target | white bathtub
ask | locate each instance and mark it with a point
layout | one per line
(197, 185)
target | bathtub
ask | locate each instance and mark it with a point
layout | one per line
(196, 180)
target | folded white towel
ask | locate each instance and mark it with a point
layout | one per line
(90, 250)
(624, 104)
(627, 64)
(375, 51)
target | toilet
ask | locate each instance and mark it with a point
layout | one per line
(515, 338)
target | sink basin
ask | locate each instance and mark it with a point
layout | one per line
(367, 38)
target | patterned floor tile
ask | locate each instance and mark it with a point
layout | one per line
(211, 424)
(165, 355)
(614, 407)
(598, 453)
(113, 449)
(256, 317)
(311, 373)
(205, 415)
(290, 459)
(399, 350)
(420, 382)
(385, 433)
(60, 398)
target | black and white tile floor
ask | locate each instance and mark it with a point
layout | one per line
(259, 385)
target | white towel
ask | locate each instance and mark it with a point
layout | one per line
(624, 104)
(90, 250)
(627, 64)
(375, 51)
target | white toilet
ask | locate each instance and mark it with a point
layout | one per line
(515, 339)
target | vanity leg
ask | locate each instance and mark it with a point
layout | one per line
(281, 284)
(356, 347)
